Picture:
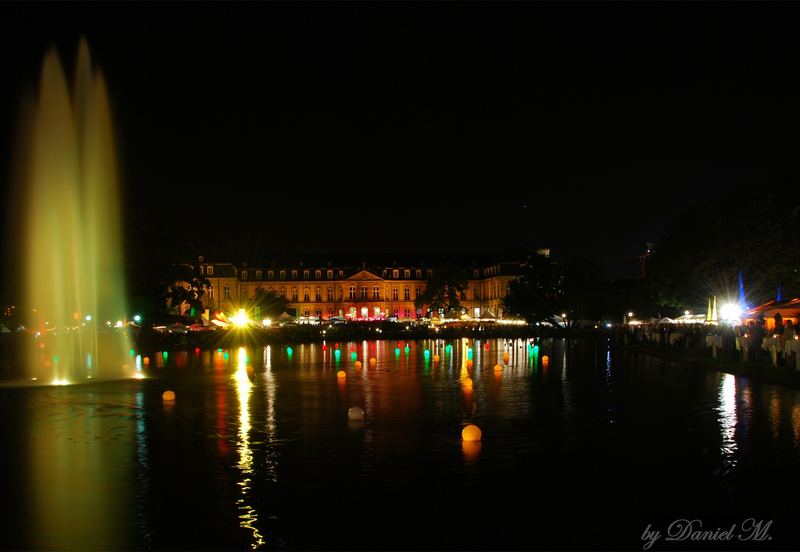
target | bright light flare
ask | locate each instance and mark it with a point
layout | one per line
(730, 311)
(60, 381)
(240, 319)
(266, 322)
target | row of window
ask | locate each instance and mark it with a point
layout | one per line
(259, 274)
(494, 292)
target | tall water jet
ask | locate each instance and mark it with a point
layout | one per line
(73, 273)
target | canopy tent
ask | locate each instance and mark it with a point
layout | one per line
(286, 318)
(789, 310)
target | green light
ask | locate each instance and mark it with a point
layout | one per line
(469, 354)
(55, 358)
(397, 351)
(289, 351)
(407, 349)
(133, 353)
(354, 355)
(427, 354)
(225, 355)
(448, 348)
(165, 354)
(219, 350)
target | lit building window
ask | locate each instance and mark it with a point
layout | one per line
(419, 273)
(306, 274)
(259, 274)
(363, 292)
(294, 275)
(318, 295)
(406, 274)
(407, 294)
(341, 274)
(376, 292)
(395, 273)
(330, 294)
(210, 271)
(318, 274)
(352, 292)
(244, 275)
(283, 274)
(201, 269)
(319, 313)
(294, 294)
(306, 312)
(429, 273)
(211, 292)
(417, 292)
(305, 294)
(226, 291)
(353, 312)
(270, 274)
(329, 274)
(396, 313)
(394, 294)
(407, 313)
(243, 294)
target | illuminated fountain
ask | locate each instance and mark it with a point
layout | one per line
(72, 269)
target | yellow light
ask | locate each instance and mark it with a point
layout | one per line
(60, 381)
(168, 396)
(240, 319)
(341, 374)
(266, 322)
(138, 375)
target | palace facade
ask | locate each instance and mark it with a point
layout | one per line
(364, 292)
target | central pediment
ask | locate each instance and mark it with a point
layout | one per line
(364, 275)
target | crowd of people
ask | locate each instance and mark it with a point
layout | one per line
(754, 340)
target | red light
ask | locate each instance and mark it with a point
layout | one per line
(324, 348)
(197, 350)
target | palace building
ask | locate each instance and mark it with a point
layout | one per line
(362, 291)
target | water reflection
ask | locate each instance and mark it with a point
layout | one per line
(727, 417)
(248, 516)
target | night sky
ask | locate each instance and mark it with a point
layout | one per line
(265, 128)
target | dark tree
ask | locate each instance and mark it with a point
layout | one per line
(546, 290)
(444, 290)
(186, 285)
(269, 303)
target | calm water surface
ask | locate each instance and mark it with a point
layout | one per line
(257, 451)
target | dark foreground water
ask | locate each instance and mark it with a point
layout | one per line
(257, 451)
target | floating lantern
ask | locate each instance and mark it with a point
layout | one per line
(498, 368)
(469, 363)
(341, 374)
(355, 413)
(545, 360)
(471, 433)
(168, 396)
(357, 365)
(146, 360)
(467, 382)
(436, 358)
(372, 361)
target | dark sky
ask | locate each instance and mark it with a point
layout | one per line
(266, 127)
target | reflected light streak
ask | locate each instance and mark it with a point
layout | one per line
(248, 516)
(727, 415)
